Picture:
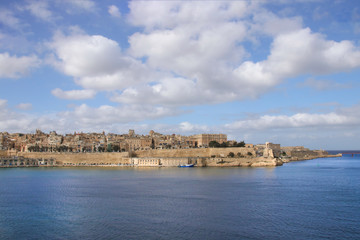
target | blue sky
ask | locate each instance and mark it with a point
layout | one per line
(279, 71)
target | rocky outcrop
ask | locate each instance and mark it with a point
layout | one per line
(267, 162)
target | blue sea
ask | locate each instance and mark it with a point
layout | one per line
(314, 199)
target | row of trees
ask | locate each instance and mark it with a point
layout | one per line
(215, 144)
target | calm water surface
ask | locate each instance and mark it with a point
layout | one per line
(316, 199)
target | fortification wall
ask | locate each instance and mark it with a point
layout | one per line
(194, 152)
(81, 158)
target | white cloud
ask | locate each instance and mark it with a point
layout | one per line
(329, 130)
(200, 44)
(299, 120)
(11, 121)
(84, 115)
(74, 94)
(187, 127)
(40, 9)
(8, 19)
(266, 22)
(114, 11)
(97, 62)
(304, 52)
(86, 5)
(24, 106)
(15, 67)
(3, 104)
(81, 118)
(170, 14)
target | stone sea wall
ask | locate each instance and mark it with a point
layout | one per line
(81, 158)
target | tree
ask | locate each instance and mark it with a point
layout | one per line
(214, 144)
(239, 144)
(152, 145)
(224, 145)
(249, 154)
(109, 148)
(231, 154)
(116, 148)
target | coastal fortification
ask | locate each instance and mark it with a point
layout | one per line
(201, 157)
(262, 156)
(81, 159)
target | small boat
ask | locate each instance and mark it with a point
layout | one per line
(187, 165)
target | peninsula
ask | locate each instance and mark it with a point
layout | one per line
(153, 150)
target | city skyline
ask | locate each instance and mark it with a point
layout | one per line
(258, 71)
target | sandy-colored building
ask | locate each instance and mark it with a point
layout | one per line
(203, 140)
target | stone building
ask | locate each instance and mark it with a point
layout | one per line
(203, 140)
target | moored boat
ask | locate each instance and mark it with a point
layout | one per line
(187, 165)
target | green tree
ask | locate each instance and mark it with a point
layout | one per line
(152, 145)
(231, 154)
(101, 149)
(214, 144)
(239, 144)
(109, 148)
(116, 148)
(224, 145)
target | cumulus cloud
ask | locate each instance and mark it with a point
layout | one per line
(201, 46)
(97, 62)
(74, 94)
(300, 120)
(114, 11)
(15, 67)
(198, 47)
